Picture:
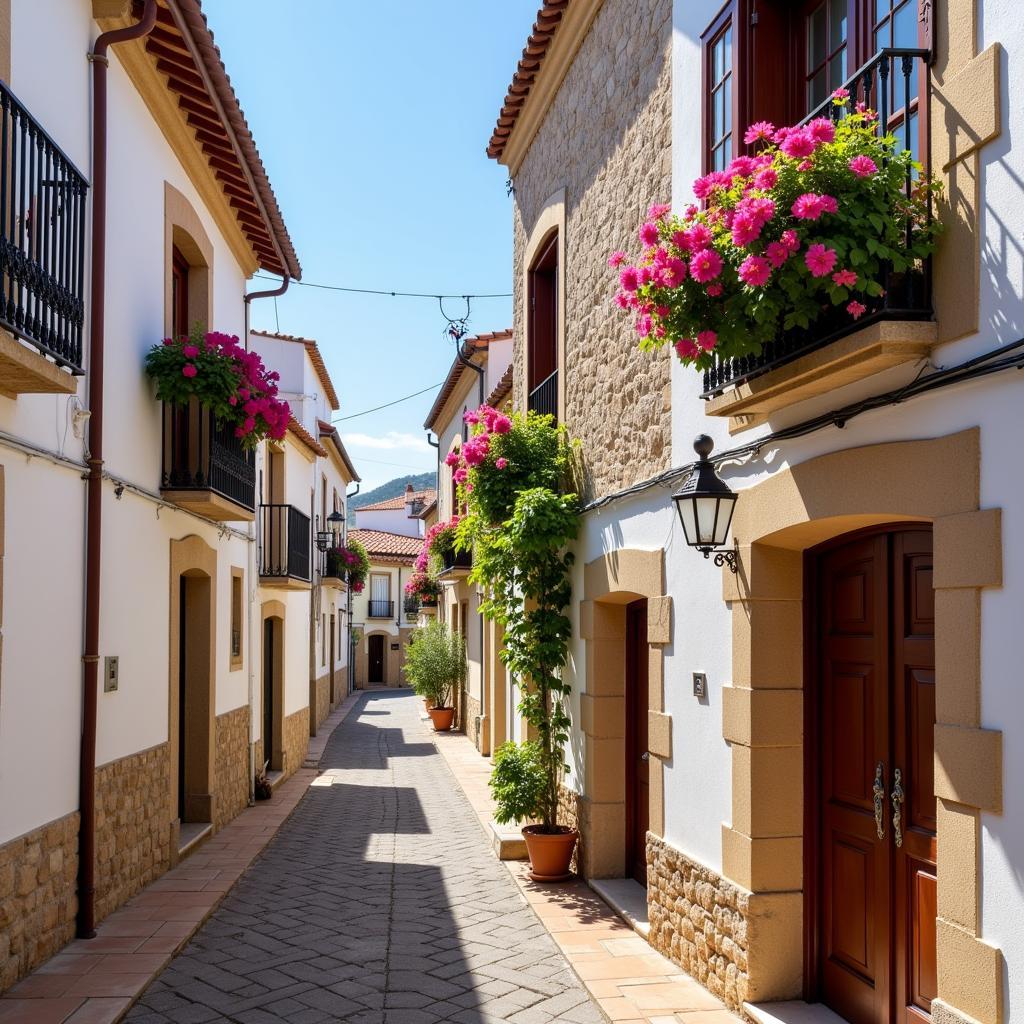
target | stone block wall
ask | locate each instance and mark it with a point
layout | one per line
(699, 920)
(569, 815)
(37, 896)
(133, 830)
(323, 701)
(231, 779)
(295, 740)
(471, 717)
(606, 140)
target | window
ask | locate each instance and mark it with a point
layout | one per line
(380, 596)
(237, 577)
(542, 329)
(825, 40)
(179, 293)
(721, 98)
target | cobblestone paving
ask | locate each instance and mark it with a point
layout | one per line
(378, 903)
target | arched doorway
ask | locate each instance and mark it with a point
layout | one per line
(272, 686)
(376, 673)
(869, 751)
(638, 757)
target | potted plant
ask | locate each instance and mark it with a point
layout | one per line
(435, 664)
(512, 475)
(816, 224)
(424, 588)
(349, 562)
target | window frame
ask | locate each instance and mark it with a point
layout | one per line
(237, 620)
(545, 266)
(727, 18)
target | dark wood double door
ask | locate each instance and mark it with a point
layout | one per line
(871, 802)
(637, 756)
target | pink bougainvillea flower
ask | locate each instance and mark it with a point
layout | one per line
(707, 340)
(663, 311)
(841, 95)
(658, 210)
(745, 229)
(629, 279)
(190, 351)
(863, 166)
(780, 136)
(168, 341)
(777, 253)
(459, 476)
(700, 237)
(809, 206)
(856, 309)
(621, 300)
(799, 144)
(233, 400)
(805, 165)
(189, 370)
(501, 462)
(755, 271)
(743, 166)
(846, 278)
(644, 324)
(714, 290)
(451, 459)
(822, 130)
(705, 266)
(649, 233)
(820, 260)
(766, 179)
(501, 424)
(686, 348)
(646, 275)
(469, 416)
(829, 204)
(681, 240)
(616, 259)
(790, 239)
(673, 274)
(759, 130)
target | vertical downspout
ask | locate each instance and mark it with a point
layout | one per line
(94, 485)
(253, 568)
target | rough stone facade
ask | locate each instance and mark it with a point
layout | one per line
(698, 920)
(37, 896)
(323, 701)
(133, 830)
(471, 717)
(231, 781)
(296, 740)
(606, 140)
(569, 814)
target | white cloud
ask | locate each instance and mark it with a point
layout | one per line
(392, 441)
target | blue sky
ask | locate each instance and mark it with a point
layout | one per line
(372, 120)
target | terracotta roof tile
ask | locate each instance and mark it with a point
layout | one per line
(503, 388)
(296, 428)
(549, 17)
(478, 343)
(329, 430)
(393, 504)
(315, 357)
(395, 547)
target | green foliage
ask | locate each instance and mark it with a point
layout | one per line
(350, 563)
(518, 782)
(435, 663)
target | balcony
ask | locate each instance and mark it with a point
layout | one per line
(456, 564)
(284, 547)
(897, 328)
(205, 468)
(543, 399)
(380, 609)
(42, 258)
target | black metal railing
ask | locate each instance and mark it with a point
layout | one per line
(894, 83)
(411, 605)
(453, 559)
(199, 455)
(42, 237)
(381, 609)
(284, 542)
(543, 398)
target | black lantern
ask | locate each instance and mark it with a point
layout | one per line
(334, 520)
(705, 505)
(323, 538)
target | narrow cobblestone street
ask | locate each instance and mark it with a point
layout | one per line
(378, 902)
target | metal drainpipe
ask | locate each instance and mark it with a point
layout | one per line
(94, 486)
(269, 293)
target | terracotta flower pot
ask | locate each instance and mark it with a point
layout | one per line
(550, 853)
(426, 704)
(442, 718)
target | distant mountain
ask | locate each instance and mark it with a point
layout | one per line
(392, 489)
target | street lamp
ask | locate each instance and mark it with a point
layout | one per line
(323, 538)
(705, 505)
(335, 520)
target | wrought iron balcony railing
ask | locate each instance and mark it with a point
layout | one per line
(895, 84)
(543, 398)
(381, 609)
(42, 237)
(200, 456)
(284, 543)
(411, 605)
(456, 560)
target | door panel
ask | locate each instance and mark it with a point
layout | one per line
(376, 659)
(637, 757)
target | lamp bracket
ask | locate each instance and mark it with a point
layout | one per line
(723, 556)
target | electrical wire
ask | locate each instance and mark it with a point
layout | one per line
(975, 368)
(393, 293)
(386, 405)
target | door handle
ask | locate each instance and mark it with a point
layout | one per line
(897, 807)
(878, 792)
(645, 756)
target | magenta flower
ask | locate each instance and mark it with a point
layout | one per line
(829, 204)
(681, 240)
(766, 179)
(501, 462)
(705, 266)
(863, 166)
(820, 260)
(707, 340)
(759, 130)
(658, 210)
(809, 206)
(188, 370)
(190, 351)
(686, 348)
(841, 95)
(755, 271)
(451, 459)
(700, 237)
(743, 166)
(621, 300)
(856, 309)
(674, 273)
(790, 239)
(777, 253)
(501, 424)
(714, 290)
(649, 233)
(459, 476)
(745, 229)
(799, 144)
(644, 325)
(168, 341)
(845, 278)
(822, 130)
(616, 259)
(629, 279)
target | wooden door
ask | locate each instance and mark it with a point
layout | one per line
(268, 692)
(333, 656)
(376, 648)
(637, 757)
(876, 712)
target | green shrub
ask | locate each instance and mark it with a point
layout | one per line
(518, 782)
(435, 663)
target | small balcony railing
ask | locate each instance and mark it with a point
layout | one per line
(381, 610)
(284, 543)
(42, 237)
(411, 605)
(893, 83)
(543, 399)
(200, 457)
(456, 560)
